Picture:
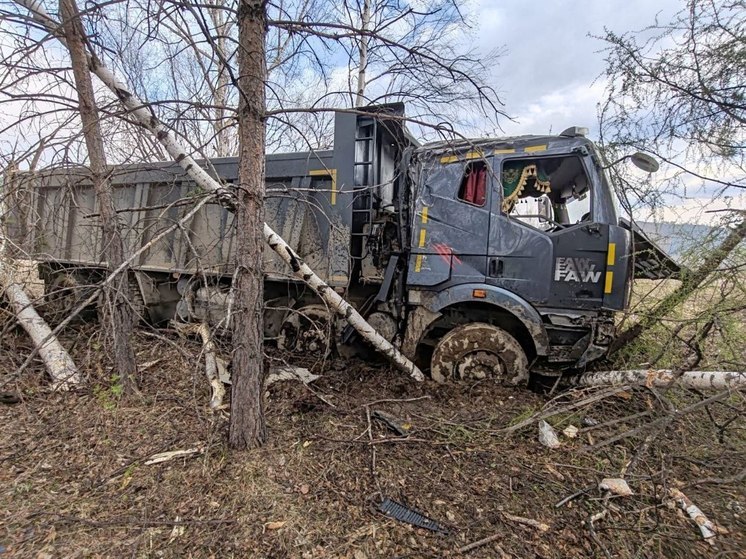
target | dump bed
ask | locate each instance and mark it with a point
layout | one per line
(61, 222)
(53, 214)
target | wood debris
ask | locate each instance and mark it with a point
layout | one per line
(705, 525)
(547, 435)
(616, 486)
(172, 454)
(541, 526)
(289, 372)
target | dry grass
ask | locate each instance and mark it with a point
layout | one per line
(73, 482)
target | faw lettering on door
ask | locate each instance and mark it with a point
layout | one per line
(575, 269)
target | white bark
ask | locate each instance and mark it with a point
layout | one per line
(547, 435)
(615, 485)
(212, 369)
(288, 372)
(145, 117)
(706, 527)
(342, 307)
(702, 380)
(363, 54)
(57, 361)
(172, 455)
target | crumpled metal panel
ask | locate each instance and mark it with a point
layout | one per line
(449, 235)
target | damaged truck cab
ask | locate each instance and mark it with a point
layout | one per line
(521, 236)
(483, 258)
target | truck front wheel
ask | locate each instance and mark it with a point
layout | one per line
(479, 351)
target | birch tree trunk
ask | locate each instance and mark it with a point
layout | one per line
(362, 53)
(247, 425)
(222, 81)
(115, 310)
(142, 113)
(57, 361)
(660, 378)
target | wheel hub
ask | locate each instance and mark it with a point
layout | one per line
(478, 365)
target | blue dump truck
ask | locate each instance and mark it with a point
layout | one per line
(478, 258)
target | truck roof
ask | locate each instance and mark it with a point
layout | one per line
(504, 144)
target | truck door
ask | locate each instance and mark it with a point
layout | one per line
(519, 252)
(543, 242)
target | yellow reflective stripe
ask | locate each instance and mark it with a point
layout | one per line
(418, 263)
(609, 281)
(328, 173)
(424, 214)
(474, 154)
(423, 232)
(532, 149)
(502, 151)
(611, 255)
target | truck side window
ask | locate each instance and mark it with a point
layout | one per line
(473, 189)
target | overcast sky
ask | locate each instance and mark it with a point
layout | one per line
(548, 76)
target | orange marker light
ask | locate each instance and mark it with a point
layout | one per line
(479, 293)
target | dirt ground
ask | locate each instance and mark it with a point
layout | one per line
(74, 483)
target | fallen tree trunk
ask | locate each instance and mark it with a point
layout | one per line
(109, 279)
(57, 361)
(212, 368)
(659, 378)
(689, 283)
(146, 118)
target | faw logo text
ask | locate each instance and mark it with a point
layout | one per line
(575, 269)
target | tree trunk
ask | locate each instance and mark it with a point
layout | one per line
(115, 310)
(57, 361)
(362, 48)
(221, 122)
(660, 378)
(689, 284)
(247, 426)
(60, 366)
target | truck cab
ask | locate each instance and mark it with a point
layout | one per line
(519, 237)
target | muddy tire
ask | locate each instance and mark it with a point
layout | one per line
(479, 351)
(307, 331)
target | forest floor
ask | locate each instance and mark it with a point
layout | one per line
(74, 482)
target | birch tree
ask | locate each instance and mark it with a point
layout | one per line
(677, 89)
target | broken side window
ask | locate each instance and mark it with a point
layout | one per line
(473, 189)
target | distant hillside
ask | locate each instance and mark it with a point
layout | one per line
(678, 239)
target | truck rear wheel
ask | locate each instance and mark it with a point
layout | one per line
(479, 351)
(308, 331)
